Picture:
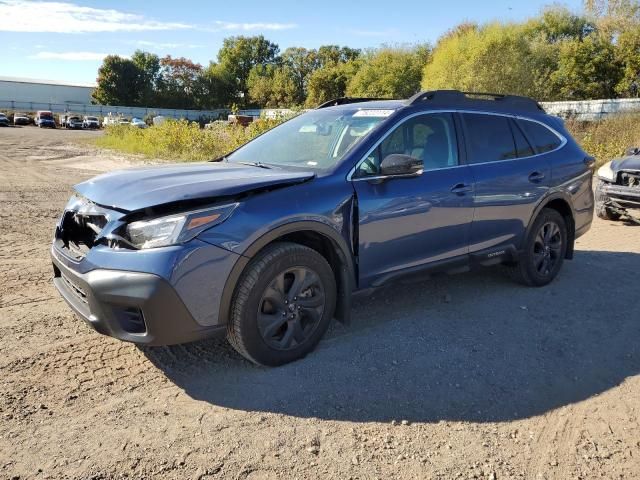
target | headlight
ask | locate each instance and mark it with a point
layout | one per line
(606, 173)
(173, 229)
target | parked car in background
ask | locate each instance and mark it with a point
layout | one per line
(90, 122)
(74, 122)
(44, 118)
(111, 119)
(618, 188)
(21, 119)
(159, 119)
(137, 122)
(268, 244)
(4, 121)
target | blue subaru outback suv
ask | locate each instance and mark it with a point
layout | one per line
(269, 243)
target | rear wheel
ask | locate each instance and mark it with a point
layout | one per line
(544, 251)
(282, 305)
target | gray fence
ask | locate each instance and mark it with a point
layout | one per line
(590, 110)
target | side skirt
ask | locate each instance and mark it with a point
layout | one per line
(459, 264)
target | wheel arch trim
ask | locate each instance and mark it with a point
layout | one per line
(346, 275)
(551, 197)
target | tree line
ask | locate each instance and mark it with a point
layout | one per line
(558, 55)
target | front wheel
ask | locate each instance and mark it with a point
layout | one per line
(544, 250)
(282, 305)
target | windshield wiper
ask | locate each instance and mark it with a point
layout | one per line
(256, 164)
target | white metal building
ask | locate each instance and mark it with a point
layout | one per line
(44, 91)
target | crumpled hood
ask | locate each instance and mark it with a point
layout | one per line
(631, 162)
(138, 188)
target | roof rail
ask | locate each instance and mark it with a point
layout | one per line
(479, 98)
(347, 100)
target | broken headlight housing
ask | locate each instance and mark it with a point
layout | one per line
(174, 229)
(606, 173)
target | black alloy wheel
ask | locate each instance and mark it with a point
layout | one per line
(547, 248)
(543, 251)
(291, 308)
(283, 303)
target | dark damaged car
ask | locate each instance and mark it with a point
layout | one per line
(268, 244)
(618, 188)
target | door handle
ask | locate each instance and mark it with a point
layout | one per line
(536, 177)
(461, 188)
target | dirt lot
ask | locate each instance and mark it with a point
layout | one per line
(467, 376)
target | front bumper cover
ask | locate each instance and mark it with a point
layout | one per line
(627, 197)
(619, 199)
(132, 306)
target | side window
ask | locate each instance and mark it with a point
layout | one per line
(430, 138)
(523, 149)
(489, 138)
(543, 139)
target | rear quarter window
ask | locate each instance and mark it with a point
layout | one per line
(541, 138)
(489, 138)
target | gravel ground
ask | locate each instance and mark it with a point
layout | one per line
(468, 376)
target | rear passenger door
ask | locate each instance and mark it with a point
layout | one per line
(510, 178)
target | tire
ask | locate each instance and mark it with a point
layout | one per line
(269, 324)
(546, 242)
(602, 211)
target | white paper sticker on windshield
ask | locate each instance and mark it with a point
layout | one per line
(373, 113)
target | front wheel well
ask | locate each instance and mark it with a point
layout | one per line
(333, 254)
(563, 208)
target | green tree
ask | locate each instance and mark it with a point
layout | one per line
(330, 82)
(273, 86)
(301, 64)
(149, 66)
(492, 58)
(628, 54)
(240, 54)
(556, 24)
(119, 80)
(177, 85)
(587, 69)
(389, 73)
(214, 88)
(334, 54)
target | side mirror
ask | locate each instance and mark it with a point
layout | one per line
(399, 165)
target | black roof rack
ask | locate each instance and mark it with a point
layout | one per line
(459, 99)
(347, 100)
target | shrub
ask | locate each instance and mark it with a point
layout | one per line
(180, 140)
(609, 138)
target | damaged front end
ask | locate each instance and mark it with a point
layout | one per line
(618, 189)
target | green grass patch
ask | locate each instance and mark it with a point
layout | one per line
(609, 138)
(179, 140)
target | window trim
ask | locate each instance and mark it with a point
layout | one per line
(461, 140)
(529, 139)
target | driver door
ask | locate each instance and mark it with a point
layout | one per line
(410, 222)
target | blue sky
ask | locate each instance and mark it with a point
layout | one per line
(66, 40)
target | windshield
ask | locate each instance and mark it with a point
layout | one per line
(318, 139)
(46, 116)
(92, 119)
